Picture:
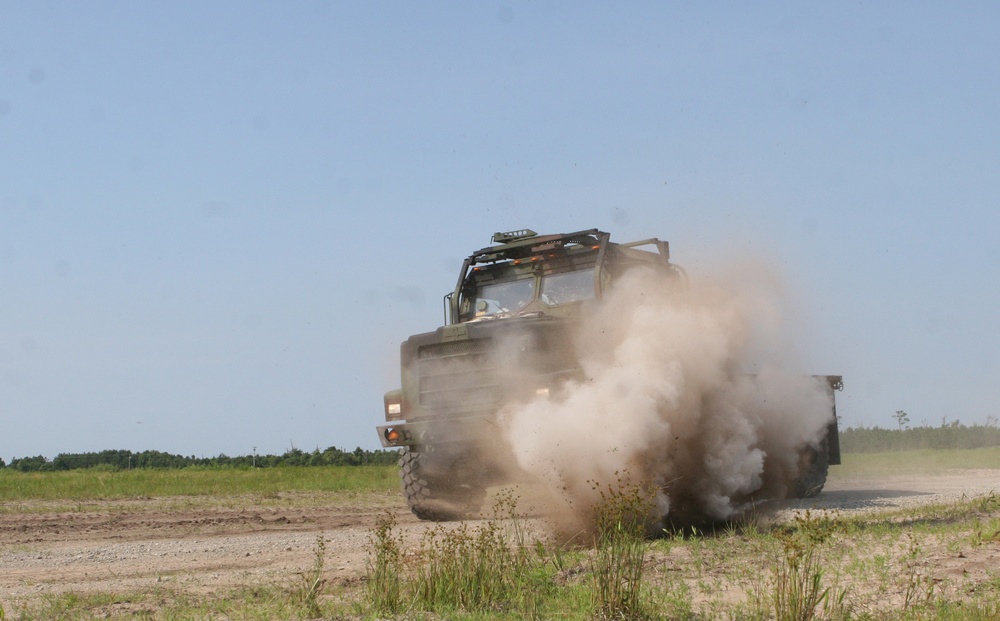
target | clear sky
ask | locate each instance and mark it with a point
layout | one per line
(218, 220)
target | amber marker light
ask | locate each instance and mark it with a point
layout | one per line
(392, 436)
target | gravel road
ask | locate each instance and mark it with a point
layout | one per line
(140, 543)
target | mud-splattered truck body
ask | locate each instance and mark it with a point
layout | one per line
(507, 339)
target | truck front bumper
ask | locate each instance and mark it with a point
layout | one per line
(416, 432)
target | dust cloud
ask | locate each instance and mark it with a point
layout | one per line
(685, 392)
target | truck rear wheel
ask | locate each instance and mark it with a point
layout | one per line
(432, 492)
(814, 465)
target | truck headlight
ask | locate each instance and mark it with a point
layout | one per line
(393, 405)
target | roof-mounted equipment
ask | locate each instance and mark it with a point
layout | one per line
(510, 236)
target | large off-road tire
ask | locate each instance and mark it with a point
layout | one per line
(431, 494)
(814, 466)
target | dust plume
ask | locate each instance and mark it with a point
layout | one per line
(684, 390)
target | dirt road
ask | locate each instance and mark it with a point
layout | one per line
(122, 546)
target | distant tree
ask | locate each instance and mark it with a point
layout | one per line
(902, 418)
(295, 457)
(31, 464)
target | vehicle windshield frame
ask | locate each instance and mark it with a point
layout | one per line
(568, 286)
(501, 298)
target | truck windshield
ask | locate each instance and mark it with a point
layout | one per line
(567, 287)
(510, 297)
(505, 298)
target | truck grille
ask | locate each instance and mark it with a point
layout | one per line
(458, 374)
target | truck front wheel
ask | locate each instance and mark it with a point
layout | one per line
(433, 489)
(814, 464)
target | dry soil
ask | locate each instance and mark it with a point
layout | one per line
(121, 546)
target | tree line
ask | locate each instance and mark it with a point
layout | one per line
(127, 460)
(950, 435)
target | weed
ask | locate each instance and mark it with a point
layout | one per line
(989, 503)
(674, 601)
(486, 569)
(797, 582)
(695, 541)
(312, 580)
(918, 587)
(554, 555)
(988, 533)
(620, 519)
(835, 606)
(475, 570)
(383, 565)
(985, 533)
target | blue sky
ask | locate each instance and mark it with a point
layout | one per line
(218, 220)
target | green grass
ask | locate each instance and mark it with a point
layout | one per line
(98, 484)
(857, 567)
(893, 565)
(864, 569)
(926, 461)
(620, 548)
(252, 603)
(460, 569)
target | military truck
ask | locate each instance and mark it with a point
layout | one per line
(506, 338)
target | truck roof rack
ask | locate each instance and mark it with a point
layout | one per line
(525, 241)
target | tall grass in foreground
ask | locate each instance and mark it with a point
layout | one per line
(313, 581)
(796, 588)
(698, 577)
(485, 569)
(620, 545)
(106, 484)
(384, 566)
(476, 570)
(491, 568)
(795, 571)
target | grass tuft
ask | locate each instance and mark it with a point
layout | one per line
(384, 566)
(797, 588)
(620, 519)
(312, 581)
(486, 569)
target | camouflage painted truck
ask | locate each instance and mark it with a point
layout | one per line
(506, 338)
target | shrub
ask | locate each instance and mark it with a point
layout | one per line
(620, 523)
